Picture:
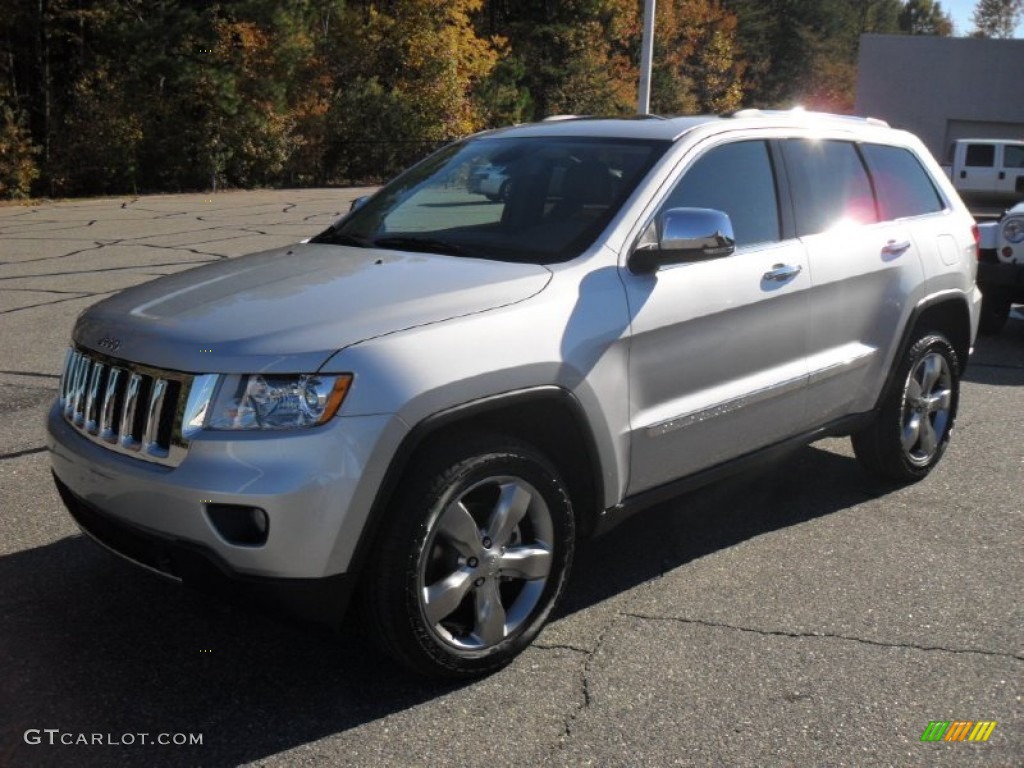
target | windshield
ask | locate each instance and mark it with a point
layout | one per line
(542, 199)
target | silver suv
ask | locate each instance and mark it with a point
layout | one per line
(426, 404)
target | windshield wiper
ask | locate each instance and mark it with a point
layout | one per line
(331, 236)
(420, 244)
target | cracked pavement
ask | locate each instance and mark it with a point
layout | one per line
(799, 615)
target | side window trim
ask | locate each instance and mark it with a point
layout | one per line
(783, 191)
(858, 148)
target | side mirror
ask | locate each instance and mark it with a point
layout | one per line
(358, 203)
(681, 235)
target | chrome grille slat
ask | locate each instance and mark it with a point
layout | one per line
(126, 408)
(156, 403)
(77, 395)
(92, 398)
(131, 401)
(65, 384)
(107, 432)
(70, 372)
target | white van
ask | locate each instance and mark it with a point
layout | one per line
(987, 170)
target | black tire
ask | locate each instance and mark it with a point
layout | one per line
(487, 528)
(995, 311)
(912, 428)
(505, 191)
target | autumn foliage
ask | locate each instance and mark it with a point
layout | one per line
(121, 96)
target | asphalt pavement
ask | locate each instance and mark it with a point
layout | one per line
(801, 615)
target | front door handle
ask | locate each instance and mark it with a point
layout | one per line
(780, 273)
(893, 249)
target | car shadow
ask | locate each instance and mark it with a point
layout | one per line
(93, 645)
(811, 482)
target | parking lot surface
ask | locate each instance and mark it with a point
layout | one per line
(800, 615)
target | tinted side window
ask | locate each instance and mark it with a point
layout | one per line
(830, 184)
(902, 185)
(1013, 156)
(980, 156)
(737, 179)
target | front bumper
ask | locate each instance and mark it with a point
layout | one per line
(316, 487)
(322, 600)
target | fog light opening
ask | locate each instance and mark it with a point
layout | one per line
(238, 524)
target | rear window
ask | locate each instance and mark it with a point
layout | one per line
(903, 186)
(830, 185)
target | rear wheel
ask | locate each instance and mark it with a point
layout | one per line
(912, 429)
(473, 559)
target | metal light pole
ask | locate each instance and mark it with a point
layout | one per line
(646, 54)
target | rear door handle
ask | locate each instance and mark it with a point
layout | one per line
(892, 248)
(780, 273)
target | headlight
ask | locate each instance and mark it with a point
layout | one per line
(1013, 230)
(260, 401)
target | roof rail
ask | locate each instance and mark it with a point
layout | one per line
(645, 116)
(800, 111)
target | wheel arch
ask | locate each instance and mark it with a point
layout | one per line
(946, 313)
(549, 418)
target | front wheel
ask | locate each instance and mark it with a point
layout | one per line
(473, 559)
(912, 428)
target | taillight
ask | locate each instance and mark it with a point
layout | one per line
(977, 240)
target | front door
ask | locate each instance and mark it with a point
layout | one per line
(716, 366)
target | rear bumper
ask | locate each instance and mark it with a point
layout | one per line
(323, 600)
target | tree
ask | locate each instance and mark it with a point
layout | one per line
(997, 18)
(404, 74)
(925, 17)
(568, 57)
(17, 153)
(805, 51)
(695, 67)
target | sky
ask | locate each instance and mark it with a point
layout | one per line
(962, 11)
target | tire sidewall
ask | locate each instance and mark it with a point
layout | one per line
(893, 415)
(432, 488)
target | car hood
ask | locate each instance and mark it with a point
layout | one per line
(289, 309)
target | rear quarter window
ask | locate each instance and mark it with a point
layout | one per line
(903, 186)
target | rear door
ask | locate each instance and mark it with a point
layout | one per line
(716, 364)
(864, 262)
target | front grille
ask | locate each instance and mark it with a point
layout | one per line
(128, 408)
